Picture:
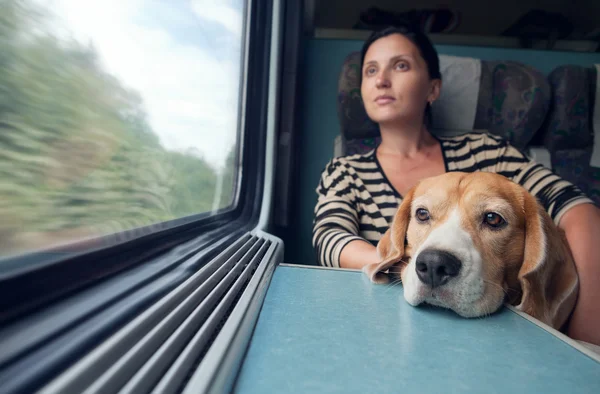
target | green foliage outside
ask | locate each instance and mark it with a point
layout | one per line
(78, 157)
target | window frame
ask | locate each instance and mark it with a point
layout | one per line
(26, 290)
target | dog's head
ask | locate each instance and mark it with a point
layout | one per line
(470, 242)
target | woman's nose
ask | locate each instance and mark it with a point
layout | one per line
(382, 81)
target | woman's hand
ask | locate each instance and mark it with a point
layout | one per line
(356, 254)
(582, 228)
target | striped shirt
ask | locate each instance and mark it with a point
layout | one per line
(356, 201)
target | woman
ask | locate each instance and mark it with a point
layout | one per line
(358, 195)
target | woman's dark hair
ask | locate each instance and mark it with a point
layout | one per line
(421, 41)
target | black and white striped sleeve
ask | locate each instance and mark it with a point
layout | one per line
(554, 193)
(335, 221)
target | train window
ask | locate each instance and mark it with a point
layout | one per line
(114, 116)
(136, 157)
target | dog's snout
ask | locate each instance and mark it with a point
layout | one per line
(436, 267)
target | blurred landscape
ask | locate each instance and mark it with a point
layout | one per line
(78, 157)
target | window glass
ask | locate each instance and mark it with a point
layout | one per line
(115, 115)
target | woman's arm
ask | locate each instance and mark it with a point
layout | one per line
(335, 224)
(582, 228)
(358, 253)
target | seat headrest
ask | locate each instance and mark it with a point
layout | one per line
(569, 123)
(351, 111)
(572, 129)
(506, 98)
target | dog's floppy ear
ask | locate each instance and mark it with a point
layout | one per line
(548, 276)
(391, 246)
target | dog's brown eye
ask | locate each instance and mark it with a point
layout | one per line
(493, 219)
(422, 214)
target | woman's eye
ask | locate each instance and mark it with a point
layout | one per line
(370, 70)
(422, 214)
(401, 66)
(494, 220)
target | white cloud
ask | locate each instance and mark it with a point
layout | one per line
(217, 11)
(190, 94)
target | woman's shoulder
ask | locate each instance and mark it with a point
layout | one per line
(358, 161)
(347, 170)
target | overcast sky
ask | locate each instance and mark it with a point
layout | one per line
(182, 56)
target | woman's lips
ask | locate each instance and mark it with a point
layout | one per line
(382, 100)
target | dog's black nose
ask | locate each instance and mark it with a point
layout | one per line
(436, 267)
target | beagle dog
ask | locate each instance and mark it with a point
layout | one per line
(471, 242)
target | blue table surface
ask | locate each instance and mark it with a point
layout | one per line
(332, 331)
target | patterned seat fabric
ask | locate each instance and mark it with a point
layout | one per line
(568, 132)
(512, 102)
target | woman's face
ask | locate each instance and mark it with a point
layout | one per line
(395, 81)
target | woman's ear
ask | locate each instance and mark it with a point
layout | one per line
(435, 89)
(390, 248)
(548, 276)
